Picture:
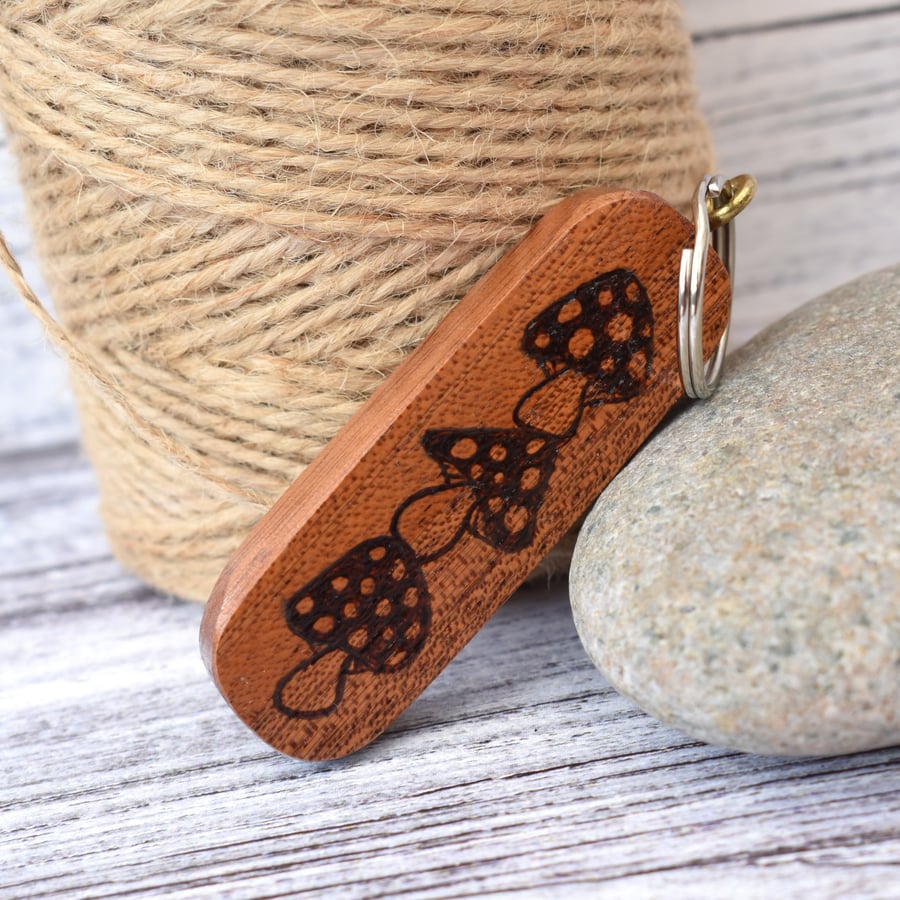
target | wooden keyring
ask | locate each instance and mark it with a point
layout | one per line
(466, 466)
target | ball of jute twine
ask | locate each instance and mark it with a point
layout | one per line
(250, 212)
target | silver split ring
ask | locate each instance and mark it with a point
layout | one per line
(700, 378)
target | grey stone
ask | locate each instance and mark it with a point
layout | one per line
(739, 578)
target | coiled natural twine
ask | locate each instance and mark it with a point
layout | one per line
(249, 211)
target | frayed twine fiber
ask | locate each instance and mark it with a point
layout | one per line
(249, 212)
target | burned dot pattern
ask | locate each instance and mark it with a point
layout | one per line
(604, 330)
(507, 471)
(372, 605)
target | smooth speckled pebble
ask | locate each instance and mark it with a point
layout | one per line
(739, 579)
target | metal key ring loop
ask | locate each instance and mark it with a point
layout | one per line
(700, 378)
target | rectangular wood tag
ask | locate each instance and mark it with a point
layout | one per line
(467, 465)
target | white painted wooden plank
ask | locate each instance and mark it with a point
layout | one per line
(713, 18)
(35, 406)
(816, 117)
(518, 772)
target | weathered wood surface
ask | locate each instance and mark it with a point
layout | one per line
(813, 111)
(518, 771)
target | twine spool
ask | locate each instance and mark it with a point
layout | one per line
(249, 212)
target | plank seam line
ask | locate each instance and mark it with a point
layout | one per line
(718, 34)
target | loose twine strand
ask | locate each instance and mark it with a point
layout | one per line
(250, 212)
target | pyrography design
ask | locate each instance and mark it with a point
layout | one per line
(370, 610)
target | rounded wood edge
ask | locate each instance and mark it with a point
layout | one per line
(256, 553)
(272, 535)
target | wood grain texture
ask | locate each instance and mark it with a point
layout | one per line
(518, 773)
(372, 571)
(813, 111)
(712, 19)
